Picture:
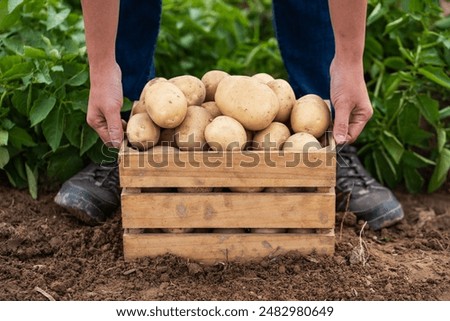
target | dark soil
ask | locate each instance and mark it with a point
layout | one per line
(45, 254)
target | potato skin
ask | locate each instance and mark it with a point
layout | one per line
(211, 80)
(311, 115)
(211, 106)
(148, 84)
(286, 98)
(190, 135)
(263, 77)
(301, 142)
(166, 104)
(272, 137)
(193, 89)
(138, 108)
(225, 133)
(246, 189)
(167, 137)
(247, 100)
(142, 132)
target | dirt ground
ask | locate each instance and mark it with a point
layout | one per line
(45, 254)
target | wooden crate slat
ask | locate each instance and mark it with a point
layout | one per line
(247, 210)
(236, 169)
(212, 248)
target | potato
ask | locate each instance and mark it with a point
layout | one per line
(190, 135)
(177, 230)
(311, 115)
(166, 104)
(246, 189)
(286, 98)
(267, 230)
(263, 77)
(211, 79)
(195, 189)
(167, 137)
(249, 143)
(301, 230)
(247, 100)
(225, 133)
(142, 133)
(229, 230)
(301, 142)
(148, 84)
(211, 106)
(282, 190)
(192, 87)
(138, 108)
(272, 137)
(157, 190)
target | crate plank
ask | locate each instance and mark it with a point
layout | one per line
(225, 169)
(212, 248)
(231, 210)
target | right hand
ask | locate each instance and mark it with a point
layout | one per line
(105, 103)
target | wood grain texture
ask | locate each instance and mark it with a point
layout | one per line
(231, 210)
(224, 169)
(212, 248)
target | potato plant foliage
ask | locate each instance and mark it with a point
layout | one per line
(44, 81)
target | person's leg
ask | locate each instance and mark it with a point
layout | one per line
(306, 42)
(93, 194)
(137, 34)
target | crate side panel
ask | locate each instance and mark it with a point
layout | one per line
(244, 210)
(212, 248)
(236, 169)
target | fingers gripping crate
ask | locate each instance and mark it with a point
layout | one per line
(311, 214)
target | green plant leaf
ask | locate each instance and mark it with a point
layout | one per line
(376, 14)
(41, 108)
(88, 139)
(18, 71)
(441, 139)
(13, 4)
(385, 168)
(56, 18)
(32, 52)
(429, 108)
(414, 160)
(437, 75)
(393, 146)
(395, 62)
(19, 137)
(4, 157)
(32, 176)
(444, 113)
(3, 137)
(52, 128)
(413, 180)
(391, 26)
(19, 101)
(64, 164)
(7, 19)
(440, 172)
(444, 23)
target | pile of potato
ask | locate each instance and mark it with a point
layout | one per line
(225, 112)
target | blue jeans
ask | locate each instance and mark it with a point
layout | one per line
(303, 29)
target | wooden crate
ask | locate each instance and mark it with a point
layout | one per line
(312, 212)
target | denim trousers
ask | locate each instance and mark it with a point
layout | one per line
(302, 27)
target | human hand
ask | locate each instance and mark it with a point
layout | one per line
(350, 100)
(105, 103)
